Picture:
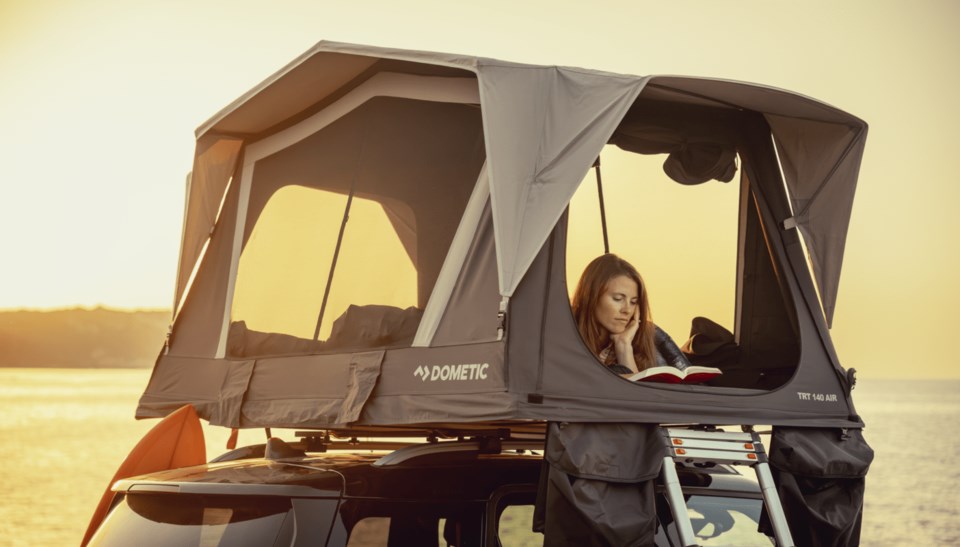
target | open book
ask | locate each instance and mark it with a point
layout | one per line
(672, 375)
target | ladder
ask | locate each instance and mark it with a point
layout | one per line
(719, 447)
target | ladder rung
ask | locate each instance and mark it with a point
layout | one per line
(718, 445)
(710, 435)
(716, 456)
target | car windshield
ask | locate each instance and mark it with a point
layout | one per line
(207, 521)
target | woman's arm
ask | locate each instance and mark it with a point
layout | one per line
(669, 350)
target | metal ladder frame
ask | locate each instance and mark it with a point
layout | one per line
(699, 446)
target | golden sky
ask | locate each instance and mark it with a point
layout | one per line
(99, 99)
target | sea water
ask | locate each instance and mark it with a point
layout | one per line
(63, 433)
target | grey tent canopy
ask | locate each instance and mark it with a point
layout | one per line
(458, 170)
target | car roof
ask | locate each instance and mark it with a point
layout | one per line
(439, 471)
(435, 472)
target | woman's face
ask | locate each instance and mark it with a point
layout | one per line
(617, 304)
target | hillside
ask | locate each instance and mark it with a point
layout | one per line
(88, 338)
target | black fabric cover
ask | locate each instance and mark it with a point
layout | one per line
(698, 140)
(710, 344)
(373, 326)
(820, 476)
(667, 351)
(597, 485)
(697, 163)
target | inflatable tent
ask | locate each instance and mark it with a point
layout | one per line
(377, 237)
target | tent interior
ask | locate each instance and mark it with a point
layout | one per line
(348, 231)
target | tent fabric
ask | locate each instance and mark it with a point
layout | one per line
(699, 140)
(817, 160)
(406, 147)
(215, 162)
(597, 487)
(820, 148)
(543, 127)
(454, 261)
(216, 388)
(698, 164)
(412, 132)
(472, 313)
(543, 332)
(820, 476)
(364, 371)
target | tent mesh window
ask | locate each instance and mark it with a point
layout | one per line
(284, 272)
(347, 229)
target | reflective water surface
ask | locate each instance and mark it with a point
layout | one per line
(63, 433)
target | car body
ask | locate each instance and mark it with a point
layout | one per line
(463, 492)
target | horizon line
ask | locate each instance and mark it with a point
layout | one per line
(82, 307)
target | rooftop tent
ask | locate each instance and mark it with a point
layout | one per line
(376, 236)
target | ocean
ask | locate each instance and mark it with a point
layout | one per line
(63, 433)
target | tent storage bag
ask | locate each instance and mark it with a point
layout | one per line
(820, 476)
(597, 485)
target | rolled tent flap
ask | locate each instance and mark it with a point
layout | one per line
(597, 484)
(213, 165)
(327, 390)
(364, 371)
(821, 163)
(543, 129)
(820, 476)
(215, 388)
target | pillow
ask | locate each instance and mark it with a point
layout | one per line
(375, 326)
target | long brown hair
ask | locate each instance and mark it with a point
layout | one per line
(592, 284)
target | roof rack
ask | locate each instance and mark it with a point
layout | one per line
(479, 445)
(400, 436)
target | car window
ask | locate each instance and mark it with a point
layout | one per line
(718, 521)
(195, 520)
(388, 523)
(510, 517)
(514, 528)
(370, 532)
(726, 521)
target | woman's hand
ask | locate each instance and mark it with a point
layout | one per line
(626, 337)
(623, 342)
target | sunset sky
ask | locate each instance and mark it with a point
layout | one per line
(99, 100)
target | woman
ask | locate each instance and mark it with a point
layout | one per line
(612, 312)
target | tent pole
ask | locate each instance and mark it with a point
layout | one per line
(333, 263)
(603, 211)
(343, 225)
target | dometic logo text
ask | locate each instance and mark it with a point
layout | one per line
(452, 373)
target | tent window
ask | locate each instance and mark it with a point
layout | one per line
(682, 239)
(400, 172)
(286, 265)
